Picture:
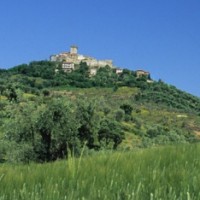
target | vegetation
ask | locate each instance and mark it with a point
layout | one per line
(157, 173)
(96, 129)
(47, 115)
(33, 77)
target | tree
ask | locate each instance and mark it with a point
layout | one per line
(2, 88)
(58, 127)
(11, 94)
(84, 69)
(127, 109)
(89, 122)
(50, 128)
(20, 131)
(119, 115)
(110, 132)
(46, 92)
(105, 77)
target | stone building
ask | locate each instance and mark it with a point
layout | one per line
(68, 66)
(72, 58)
(93, 72)
(69, 59)
(118, 71)
(140, 73)
(73, 49)
(76, 58)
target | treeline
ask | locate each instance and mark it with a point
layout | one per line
(51, 128)
(29, 74)
(36, 76)
(169, 96)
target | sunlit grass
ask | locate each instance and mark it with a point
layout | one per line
(156, 173)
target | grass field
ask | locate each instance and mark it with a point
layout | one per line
(166, 173)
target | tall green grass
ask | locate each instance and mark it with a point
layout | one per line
(156, 173)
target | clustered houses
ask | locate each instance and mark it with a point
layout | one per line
(72, 58)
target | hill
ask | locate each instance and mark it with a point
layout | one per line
(47, 114)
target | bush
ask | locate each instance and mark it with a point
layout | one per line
(17, 153)
(46, 92)
(119, 115)
(3, 148)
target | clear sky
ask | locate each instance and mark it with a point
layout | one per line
(160, 36)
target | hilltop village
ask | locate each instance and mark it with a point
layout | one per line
(70, 59)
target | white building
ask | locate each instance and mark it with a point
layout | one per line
(68, 66)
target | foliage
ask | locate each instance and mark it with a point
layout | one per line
(127, 109)
(41, 74)
(89, 122)
(110, 131)
(161, 93)
(47, 115)
(49, 129)
(54, 128)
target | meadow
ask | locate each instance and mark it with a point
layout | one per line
(170, 172)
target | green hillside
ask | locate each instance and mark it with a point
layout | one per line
(47, 115)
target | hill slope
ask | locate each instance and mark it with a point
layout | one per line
(47, 115)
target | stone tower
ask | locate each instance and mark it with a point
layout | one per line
(73, 49)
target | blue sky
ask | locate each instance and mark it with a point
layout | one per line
(160, 36)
